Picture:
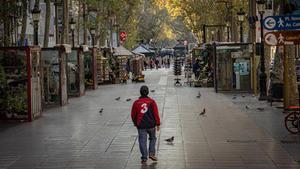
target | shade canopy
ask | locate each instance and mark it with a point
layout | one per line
(121, 51)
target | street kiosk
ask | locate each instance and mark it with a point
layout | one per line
(122, 56)
(232, 70)
(55, 75)
(20, 83)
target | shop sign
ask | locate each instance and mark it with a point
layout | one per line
(282, 38)
(227, 47)
(236, 54)
(123, 36)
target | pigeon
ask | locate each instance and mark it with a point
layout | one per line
(101, 110)
(152, 91)
(234, 97)
(260, 109)
(128, 99)
(199, 95)
(170, 140)
(118, 98)
(203, 112)
(247, 107)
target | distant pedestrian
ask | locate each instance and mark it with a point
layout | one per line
(156, 63)
(145, 65)
(168, 62)
(151, 64)
(196, 69)
(145, 117)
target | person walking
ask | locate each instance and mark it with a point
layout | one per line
(196, 69)
(145, 116)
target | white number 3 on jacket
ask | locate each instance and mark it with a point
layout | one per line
(144, 108)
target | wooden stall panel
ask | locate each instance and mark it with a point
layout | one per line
(94, 68)
(73, 73)
(88, 70)
(63, 79)
(81, 74)
(36, 97)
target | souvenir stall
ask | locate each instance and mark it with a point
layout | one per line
(20, 83)
(137, 65)
(90, 69)
(122, 66)
(54, 63)
(75, 72)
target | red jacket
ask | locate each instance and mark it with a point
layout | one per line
(144, 113)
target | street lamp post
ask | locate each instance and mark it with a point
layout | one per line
(93, 32)
(228, 31)
(262, 76)
(17, 23)
(204, 33)
(212, 35)
(241, 15)
(36, 18)
(72, 26)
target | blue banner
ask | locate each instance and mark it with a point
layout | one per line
(281, 23)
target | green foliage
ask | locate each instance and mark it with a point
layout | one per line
(3, 89)
(195, 13)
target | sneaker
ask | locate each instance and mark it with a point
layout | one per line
(152, 157)
(144, 161)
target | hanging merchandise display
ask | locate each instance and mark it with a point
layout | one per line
(137, 64)
(121, 72)
(177, 69)
(100, 70)
(104, 59)
(188, 70)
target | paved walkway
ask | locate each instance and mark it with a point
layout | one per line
(77, 136)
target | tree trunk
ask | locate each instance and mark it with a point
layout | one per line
(290, 77)
(65, 32)
(78, 22)
(291, 93)
(24, 21)
(6, 23)
(84, 24)
(47, 23)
